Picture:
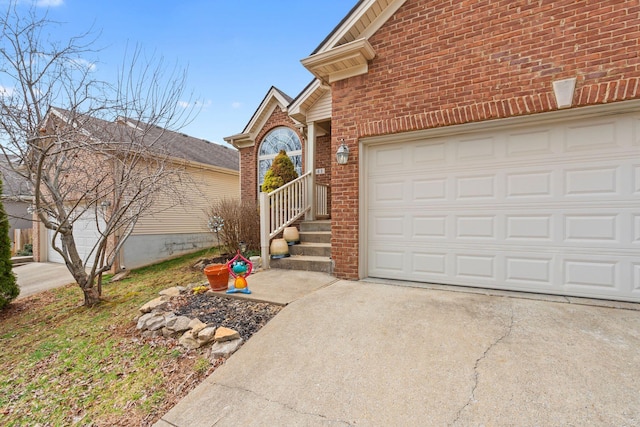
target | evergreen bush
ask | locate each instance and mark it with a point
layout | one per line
(281, 172)
(9, 289)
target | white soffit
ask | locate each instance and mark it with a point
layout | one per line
(347, 60)
(363, 22)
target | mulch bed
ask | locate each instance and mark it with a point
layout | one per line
(244, 316)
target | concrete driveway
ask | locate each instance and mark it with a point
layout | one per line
(369, 354)
(36, 277)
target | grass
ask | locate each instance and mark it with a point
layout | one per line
(62, 363)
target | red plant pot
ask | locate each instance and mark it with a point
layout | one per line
(218, 276)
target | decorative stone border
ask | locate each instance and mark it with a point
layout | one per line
(155, 321)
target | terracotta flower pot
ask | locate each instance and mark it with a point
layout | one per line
(218, 276)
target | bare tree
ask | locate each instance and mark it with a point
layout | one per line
(92, 150)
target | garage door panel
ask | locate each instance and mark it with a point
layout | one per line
(551, 209)
(476, 227)
(429, 264)
(429, 189)
(475, 266)
(592, 182)
(591, 272)
(530, 184)
(429, 154)
(526, 144)
(476, 187)
(428, 227)
(476, 149)
(591, 136)
(521, 227)
(591, 228)
(529, 270)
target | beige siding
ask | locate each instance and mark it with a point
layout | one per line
(190, 215)
(321, 110)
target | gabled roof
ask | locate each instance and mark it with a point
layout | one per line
(14, 186)
(306, 99)
(274, 98)
(346, 51)
(175, 144)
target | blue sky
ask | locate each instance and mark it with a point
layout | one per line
(235, 50)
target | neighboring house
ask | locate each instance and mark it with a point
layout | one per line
(16, 199)
(491, 144)
(211, 173)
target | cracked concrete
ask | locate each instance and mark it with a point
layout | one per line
(476, 374)
(357, 353)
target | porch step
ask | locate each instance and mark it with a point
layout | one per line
(315, 236)
(311, 249)
(312, 226)
(303, 263)
(313, 253)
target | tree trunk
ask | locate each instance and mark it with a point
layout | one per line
(91, 296)
(76, 267)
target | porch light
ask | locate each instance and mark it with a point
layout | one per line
(342, 154)
(31, 209)
(105, 204)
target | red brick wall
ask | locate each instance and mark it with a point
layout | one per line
(323, 158)
(249, 156)
(440, 63)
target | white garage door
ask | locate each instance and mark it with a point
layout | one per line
(86, 234)
(551, 209)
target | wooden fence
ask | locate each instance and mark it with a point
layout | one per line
(21, 237)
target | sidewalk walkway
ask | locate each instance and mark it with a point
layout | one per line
(368, 354)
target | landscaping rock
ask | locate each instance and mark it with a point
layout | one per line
(196, 326)
(224, 349)
(119, 276)
(179, 324)
(154, 323)
(225, 334)
(170, 292)
(151, 334)
(143, 320)
(189, 341)
(154, 304)
(206, 335)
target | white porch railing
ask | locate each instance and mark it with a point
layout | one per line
(280, 208)
(322, 200)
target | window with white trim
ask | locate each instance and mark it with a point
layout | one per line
(280, 138)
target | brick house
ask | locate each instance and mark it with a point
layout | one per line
(491, 143)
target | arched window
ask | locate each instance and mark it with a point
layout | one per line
(280, 138)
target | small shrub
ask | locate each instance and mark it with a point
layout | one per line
(281, 172)
(26, 251)
(241, 223)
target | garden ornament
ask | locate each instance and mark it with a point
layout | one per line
(239, 267)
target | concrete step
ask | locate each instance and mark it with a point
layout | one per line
(320, 225)
(312, 249)
(303, 263)
(315, 236)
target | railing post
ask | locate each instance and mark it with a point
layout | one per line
(265, 221)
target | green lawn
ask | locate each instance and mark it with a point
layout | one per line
(62, 363)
